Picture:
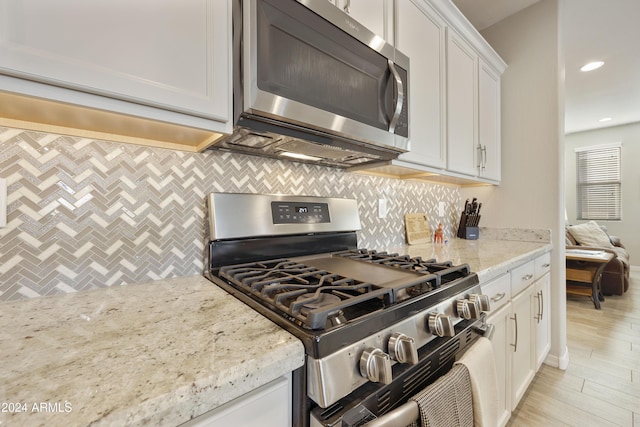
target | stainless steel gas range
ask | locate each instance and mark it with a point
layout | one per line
(376, 327)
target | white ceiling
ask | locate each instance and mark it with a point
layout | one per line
(591, 30)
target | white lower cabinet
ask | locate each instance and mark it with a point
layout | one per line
(521, 340)
(522, 345)
(267, 406)
(542, 308)
(499, 291)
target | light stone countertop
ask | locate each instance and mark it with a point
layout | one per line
(145, 354)
(487, 257)
(162, 352)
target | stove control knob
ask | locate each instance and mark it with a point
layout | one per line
(483, 301)
(440, 324)
(375, 365)
(468, 309)
(403, 348)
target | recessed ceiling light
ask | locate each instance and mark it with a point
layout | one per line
(592, 66)
(605, 119)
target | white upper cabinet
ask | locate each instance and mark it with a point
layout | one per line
(462, 77)
(171, 56)
(489, 144)
(420, 34)
(473, 112)
(454, 89)
(372, 14)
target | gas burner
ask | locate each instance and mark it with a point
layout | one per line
(313, 301)
(261, 276)
(311, 297)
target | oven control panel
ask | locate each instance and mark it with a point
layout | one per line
(372, 359)
(300, 212)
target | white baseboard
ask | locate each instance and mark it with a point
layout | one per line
(561, 362)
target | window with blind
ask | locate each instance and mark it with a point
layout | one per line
(598, 182)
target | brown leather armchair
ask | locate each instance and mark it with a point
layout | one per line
(615, 278)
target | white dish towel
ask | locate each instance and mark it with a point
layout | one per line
(484, 382)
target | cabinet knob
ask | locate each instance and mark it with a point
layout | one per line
(403, 348)
(375, 365)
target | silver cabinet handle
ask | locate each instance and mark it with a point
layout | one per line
(484, 157)
(547, 265)
(515, 319)
(347, 6)
(538, 315)
(541, 305)
(498, 297)
(527, 277)
(399, 96)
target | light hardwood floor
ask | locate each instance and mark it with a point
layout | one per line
(601, 386)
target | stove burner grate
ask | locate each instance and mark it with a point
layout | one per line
(313, 298)
(445, 271)
(404, 262)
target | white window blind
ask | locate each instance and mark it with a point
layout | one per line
(598, 182)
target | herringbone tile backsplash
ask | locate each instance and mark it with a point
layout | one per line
(84, 214)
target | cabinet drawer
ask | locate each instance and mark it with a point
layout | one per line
(521, 277)
(542, 265)
(499, 291)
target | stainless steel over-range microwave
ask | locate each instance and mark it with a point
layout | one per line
(312, 82)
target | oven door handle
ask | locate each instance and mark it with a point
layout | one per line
(401, 416)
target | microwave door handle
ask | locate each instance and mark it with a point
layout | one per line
(399, 96)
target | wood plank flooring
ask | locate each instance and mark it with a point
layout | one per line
(601, 386)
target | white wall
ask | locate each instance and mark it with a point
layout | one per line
(629, 136)
(532, 190)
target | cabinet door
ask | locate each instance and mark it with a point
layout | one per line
(370, 13)
(267, 406)
(488, 149)
(160, 53)
(522, 349)
(502, 356)
(420, 35)
(542, 310)
(461, 105)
